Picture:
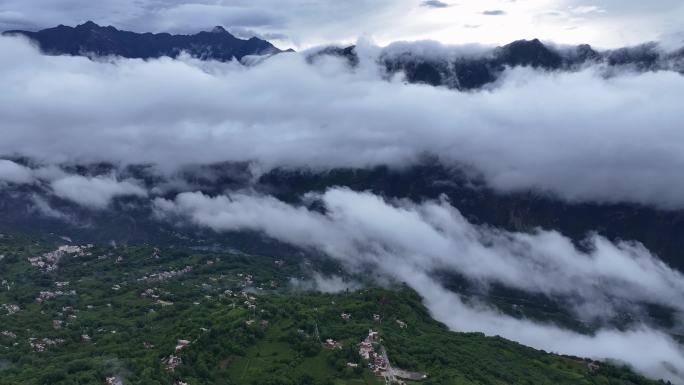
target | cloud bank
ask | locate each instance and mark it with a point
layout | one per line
(576, 135)
(11, 172)
(409, 241)
(96, 192)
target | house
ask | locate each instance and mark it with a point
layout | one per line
(372, 336)
(171, 362)
(365, 349)
(345, 316)
(113, 381)
(181, 344)
(332, 344)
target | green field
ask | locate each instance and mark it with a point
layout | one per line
(133, 322)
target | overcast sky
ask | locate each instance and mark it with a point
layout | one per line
(303, 23)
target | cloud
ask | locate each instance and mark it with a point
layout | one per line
(96, 192)
(11, 172)
(428, 234)
(409, 241)
(42, 206)
(324, 284)
(176, 18)
(307, 23)
(434, 4)
(663, 361)
(494, 12)
(585, 140)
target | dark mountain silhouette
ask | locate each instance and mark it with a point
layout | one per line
(468, 72)
(91, 39)
(465, 72)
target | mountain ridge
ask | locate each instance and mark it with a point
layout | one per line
(90, 38)
(460, 71)
(467, 71)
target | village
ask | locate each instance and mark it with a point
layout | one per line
(374, 354)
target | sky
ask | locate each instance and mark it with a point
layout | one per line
(305, 23)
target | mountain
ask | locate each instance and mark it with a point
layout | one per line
(440, 66)
(131, 220)
(92, 39)
(461, 71)
(146, 315)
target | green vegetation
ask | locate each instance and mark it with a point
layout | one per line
(124, 319)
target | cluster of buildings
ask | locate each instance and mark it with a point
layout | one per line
(181, 344)
(249, 299)
(164, 275)
(246, 279)
(366, 346)
(113, 381)
(47, 295)
(171, 362)
(8, 334)
(332, 344)
(150, 293)
(376, 361)
(49, 261)
(41, 345)
(10, 308)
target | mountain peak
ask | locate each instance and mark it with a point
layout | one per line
(217, 44)
(218, 29)
(88, 24)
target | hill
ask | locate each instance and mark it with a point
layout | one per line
(92, 39)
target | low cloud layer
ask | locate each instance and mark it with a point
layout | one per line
(95, 192)
(576, 135)
(409, 241)
(11, 172)
(324, 284)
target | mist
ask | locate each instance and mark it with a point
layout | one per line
(409, 242)
(578, 136)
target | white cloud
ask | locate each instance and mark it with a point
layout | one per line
(42, 206)
(409, 241)
(96, 192)
(324, 284)
(434, 235)
(14, 173)
(663, 361)
(577, 135)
